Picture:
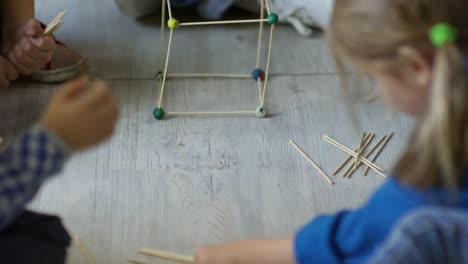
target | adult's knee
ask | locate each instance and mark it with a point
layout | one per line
(138, 8)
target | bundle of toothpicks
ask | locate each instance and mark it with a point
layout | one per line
(360, 156)
(54, 24)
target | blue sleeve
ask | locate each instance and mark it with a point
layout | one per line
(351, 236)
(24, 166)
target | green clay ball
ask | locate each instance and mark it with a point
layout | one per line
(443, 33)
(272, 19)
(158, 113)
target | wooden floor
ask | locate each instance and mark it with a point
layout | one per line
(187, 181)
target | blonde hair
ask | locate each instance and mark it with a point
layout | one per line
(374, 31)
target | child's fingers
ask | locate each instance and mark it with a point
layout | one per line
(99, 94)
(33, 28)
(73, 88)
(20, 67)
(44, 44)
(41, 55)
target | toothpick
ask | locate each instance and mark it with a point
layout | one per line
(223, 22)
(353, 166)
(214, 113)
(136, 261)
(311, 162)
(350, 171)
(359, 150)
(338, 145)
(343, 164)
(166, 255)
(84, 250)
(379, 151)
(54, 24)
(208, 75)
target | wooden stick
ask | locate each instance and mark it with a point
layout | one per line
(214, 113)
(338, 145)
(208, 75)
(169, 8)
(136, 261)
(227, 22)
(267, 73)
(260, 89)
(260, 34)
(84, 250)
(53, 29)
(58, 17)
(350, 171)
(54, 24)
(56, 20)
(267, 5)
(343, 164)
(163, 83)
(379, 152)
(361, 144)
(166, 255)
(352, 166)
(325, 176)
(162, 35)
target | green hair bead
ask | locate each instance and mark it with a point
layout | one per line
(442, 33)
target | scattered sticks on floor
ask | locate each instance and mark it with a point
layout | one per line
(343, 164)
(163, 255)
(360, 156)
(340, 146)
(350, 170)
(54, 24)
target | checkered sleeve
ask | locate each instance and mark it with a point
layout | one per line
(27, 162)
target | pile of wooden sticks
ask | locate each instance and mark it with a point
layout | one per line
(360, 156)
(55, 24)
(366, 141)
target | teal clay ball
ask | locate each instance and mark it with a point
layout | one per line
(272, 19)
(158, 113)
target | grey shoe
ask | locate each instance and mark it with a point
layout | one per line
(303, 15)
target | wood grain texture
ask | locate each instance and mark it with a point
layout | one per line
(186, 181)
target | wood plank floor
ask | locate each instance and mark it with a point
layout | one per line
(186, 181)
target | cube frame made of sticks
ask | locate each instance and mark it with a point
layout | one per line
(258, 74)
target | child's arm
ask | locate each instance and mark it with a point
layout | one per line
(77, 118)
(274, 251)
(26, 163)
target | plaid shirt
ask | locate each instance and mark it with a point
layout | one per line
(430, 235)
(24, 166)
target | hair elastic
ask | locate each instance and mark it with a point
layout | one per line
(442, 33)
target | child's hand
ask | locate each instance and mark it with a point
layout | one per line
(27, 50)
(8, 73)
(82, 117)
(274, 251)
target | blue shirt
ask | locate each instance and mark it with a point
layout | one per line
(429, 235)
(352, 236)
